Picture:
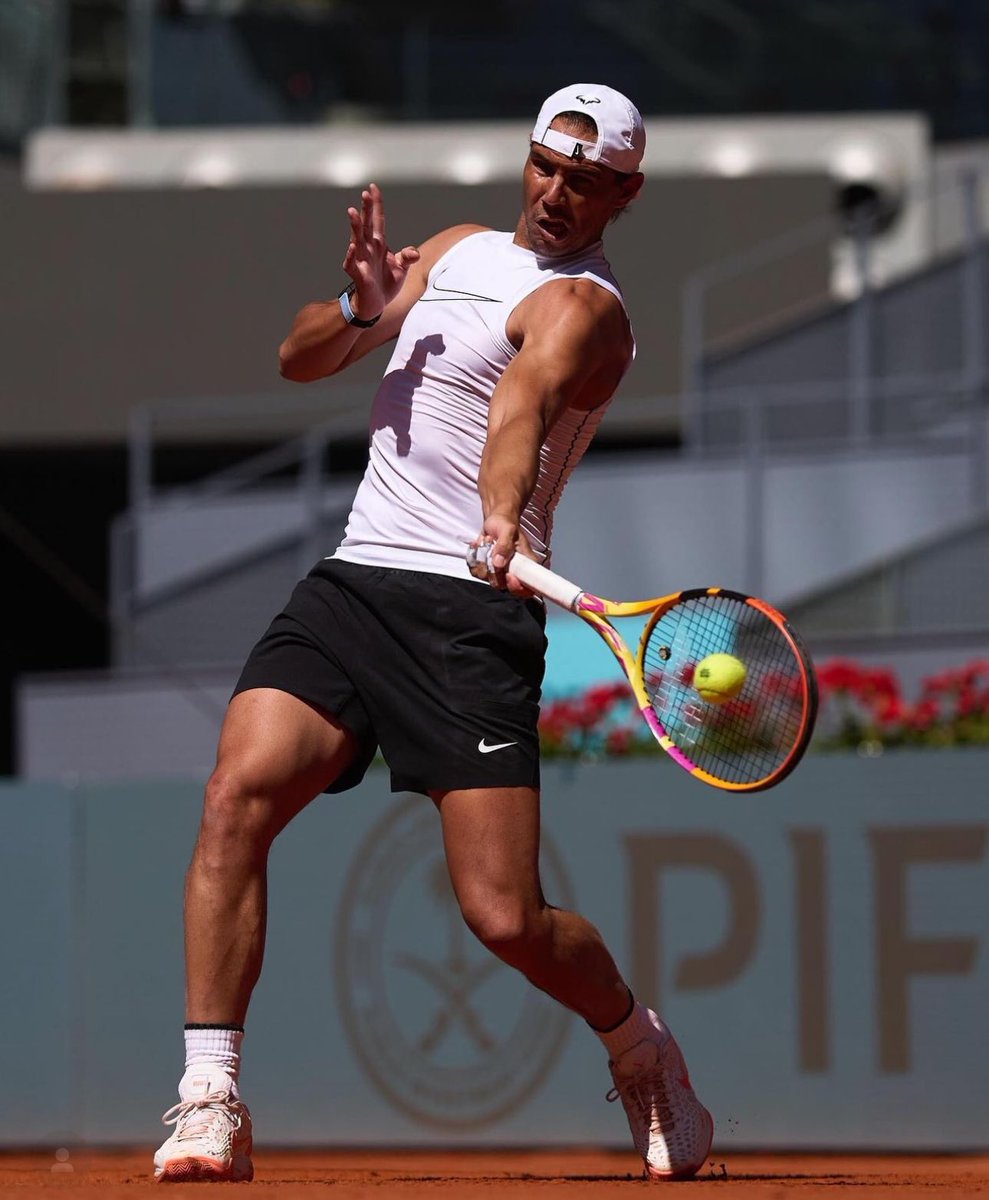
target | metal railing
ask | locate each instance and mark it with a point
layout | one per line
(299, 464)
(235, 418)
(760, 426)
(962, 189)
(951, 419)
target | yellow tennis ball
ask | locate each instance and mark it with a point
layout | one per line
(719, 678)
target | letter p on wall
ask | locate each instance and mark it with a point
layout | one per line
(649, 856)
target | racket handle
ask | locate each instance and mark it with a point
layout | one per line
(541, 579)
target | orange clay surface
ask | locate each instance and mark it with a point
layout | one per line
(573, 1174)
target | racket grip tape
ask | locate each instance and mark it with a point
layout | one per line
(541, 579)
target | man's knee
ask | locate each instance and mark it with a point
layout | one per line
(504, 925)
(234, 813)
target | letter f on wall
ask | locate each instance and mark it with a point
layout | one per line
(901, 954)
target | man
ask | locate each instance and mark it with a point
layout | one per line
(509, 347)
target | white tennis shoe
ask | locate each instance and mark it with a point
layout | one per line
(212, 1141)
(670, 1127)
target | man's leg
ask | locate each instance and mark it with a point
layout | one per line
(491, 837)
(276, 753)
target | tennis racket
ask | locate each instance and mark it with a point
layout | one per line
(745, 725)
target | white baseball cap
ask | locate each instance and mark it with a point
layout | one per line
(621, 137)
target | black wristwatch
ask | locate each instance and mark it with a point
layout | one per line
(348, 313)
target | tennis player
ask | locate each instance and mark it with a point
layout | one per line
(509, 347)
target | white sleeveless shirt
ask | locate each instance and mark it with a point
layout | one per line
(418, 506)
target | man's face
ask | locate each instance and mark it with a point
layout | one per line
(567, 202)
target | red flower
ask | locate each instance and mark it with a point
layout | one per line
(558, 719)
(975, 672)
(933, 685)
(879, 681)
(737, 711)
(839, 675)
(603, 695)
(684, 674)
(923, 715)
(866, 705)
(780, 683)
(890, 710)
(619, 741)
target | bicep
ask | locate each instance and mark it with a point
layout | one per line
(573, 355)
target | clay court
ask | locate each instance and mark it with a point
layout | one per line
(485, 1175)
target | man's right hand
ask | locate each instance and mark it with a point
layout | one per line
(378, 273)
(505, 539)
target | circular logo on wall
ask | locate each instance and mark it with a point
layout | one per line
(449, 1034)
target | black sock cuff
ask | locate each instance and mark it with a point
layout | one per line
(631, 1009)
(211, 1025)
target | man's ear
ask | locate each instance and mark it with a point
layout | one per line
(631, 188)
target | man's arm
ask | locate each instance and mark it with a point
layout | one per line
(321, 342)
(576, 345)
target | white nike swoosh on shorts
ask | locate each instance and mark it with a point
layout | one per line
(486, 749)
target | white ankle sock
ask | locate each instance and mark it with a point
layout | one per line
(210, 1051)
(642, 1025)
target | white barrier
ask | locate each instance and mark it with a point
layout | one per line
(820, 951)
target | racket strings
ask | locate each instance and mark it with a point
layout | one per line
(747, 736)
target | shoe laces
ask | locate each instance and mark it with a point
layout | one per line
(646, 1094)
(192, 1118)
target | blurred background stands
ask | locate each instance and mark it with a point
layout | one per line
(250, 62)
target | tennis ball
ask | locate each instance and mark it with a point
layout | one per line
(719, 678)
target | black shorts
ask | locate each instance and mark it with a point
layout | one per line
(443, 674)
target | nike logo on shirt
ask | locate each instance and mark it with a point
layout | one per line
(454, 294)
(484, 748)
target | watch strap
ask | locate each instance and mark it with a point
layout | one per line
(348, 313)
